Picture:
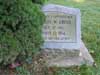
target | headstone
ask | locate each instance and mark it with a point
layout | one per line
(62, 27)
(62, 36)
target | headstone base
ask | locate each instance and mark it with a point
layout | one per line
(67, 61)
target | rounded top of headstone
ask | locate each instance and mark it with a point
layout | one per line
(60, 8)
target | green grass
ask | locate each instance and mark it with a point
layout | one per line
(90, 10)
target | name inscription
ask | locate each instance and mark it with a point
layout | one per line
(59, 27)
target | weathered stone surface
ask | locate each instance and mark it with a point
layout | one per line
(68, 60)
(59, 53)
(62, 28)
(62, 37)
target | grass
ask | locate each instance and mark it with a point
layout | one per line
(90, 10)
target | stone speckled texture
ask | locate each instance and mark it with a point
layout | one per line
(63, 60)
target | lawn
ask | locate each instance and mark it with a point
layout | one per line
(90, 15)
